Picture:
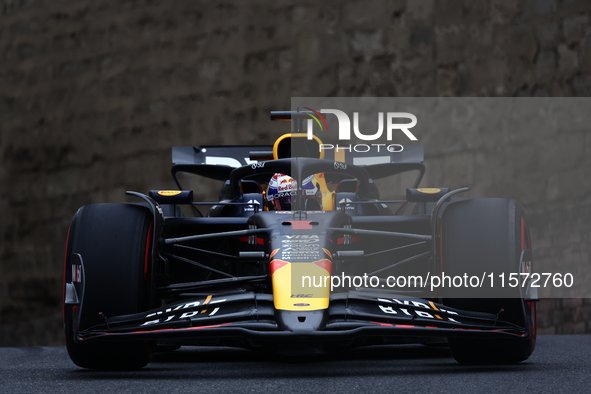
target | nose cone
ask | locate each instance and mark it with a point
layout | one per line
(303, 322)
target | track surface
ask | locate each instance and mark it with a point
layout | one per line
(559, 364)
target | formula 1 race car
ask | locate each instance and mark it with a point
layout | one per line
(300, 252)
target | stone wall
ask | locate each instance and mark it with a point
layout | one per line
(94, 93)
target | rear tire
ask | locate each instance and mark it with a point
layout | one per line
(113, 241)
(488, 235)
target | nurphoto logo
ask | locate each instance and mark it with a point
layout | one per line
(345, 129)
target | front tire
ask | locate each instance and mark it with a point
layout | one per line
(488, 235)
(113, 241)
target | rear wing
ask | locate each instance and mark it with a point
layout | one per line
(217, 162)
(380, 160)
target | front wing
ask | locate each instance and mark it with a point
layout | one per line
(350, 315)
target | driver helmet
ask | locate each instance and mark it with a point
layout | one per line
(280, 191)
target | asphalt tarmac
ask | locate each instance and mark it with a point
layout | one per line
(560, 364)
